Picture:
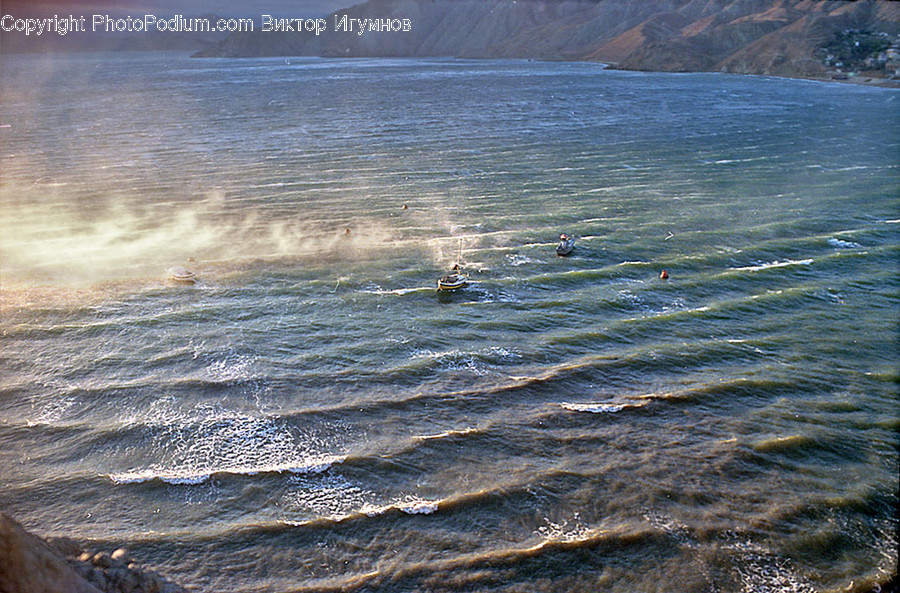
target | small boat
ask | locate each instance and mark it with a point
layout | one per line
(566, 245)
(452, 281)
(182, 275)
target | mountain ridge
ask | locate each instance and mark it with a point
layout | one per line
(771, 37)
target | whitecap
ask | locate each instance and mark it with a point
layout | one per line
(474, 361)
(569, 531)
(594, 408)
(397, 291)
(841, 244)
(193, 445)
(198, 476)
(230, 370)
(54, 411)
(445, 434)
(775, 264)
(410, 505)
(331, 496)
(517, 259)
(418, 507)
(630, 298)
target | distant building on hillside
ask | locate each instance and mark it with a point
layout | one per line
(892, 68)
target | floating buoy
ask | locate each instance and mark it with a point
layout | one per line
(664, 275)
(405, 207)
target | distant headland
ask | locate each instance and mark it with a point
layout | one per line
(790, 38)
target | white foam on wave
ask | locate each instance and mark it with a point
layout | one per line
(841, 244)
(54, 411)
(474, 361)
(481, 296)
(445, 434)
(760, 569)
(332, 496)
(631, 299)
(568, 531)
(735, 161)
(633, 263)
(188, 476)
(397, 291)
(411, 505)
(232, 369)
(517, 259)
(192, 445)
(337, 498)
(595, 408)
(775, 264)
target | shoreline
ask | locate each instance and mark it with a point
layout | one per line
(881, 82)
(860, 80)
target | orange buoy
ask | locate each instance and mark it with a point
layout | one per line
(664, 275)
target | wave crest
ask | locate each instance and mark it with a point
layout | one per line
(198, 476)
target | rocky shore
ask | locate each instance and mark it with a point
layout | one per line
(30, 564)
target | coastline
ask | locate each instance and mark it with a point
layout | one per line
(860, 80)
(856, 43)
(880, 82)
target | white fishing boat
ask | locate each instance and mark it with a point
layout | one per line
(182, 275)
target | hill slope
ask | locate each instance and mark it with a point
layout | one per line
(778, 37)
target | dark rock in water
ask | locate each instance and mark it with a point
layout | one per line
(33, 565)
(65, 546)
(30, 565)
(124, 579)
(103, 560)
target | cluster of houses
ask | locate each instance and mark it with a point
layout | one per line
(884, 56)
(889, 59)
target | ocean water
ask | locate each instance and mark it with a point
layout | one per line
(312, 415)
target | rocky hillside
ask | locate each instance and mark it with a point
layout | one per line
(778, 37)
(30, 564)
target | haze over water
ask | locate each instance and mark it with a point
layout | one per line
(313, 416)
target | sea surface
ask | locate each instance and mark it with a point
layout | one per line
(312, 415)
